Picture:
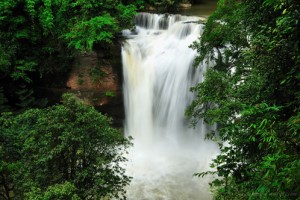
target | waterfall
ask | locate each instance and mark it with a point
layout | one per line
(158, 74)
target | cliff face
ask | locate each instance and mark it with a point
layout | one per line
(88, 74)
(96, 78)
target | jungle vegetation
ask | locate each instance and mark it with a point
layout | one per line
(252, 93)
(69, 150)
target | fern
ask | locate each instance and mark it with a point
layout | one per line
(27, 99)
(21, 70)
(46, 17)
(25, 96)
(30, 8)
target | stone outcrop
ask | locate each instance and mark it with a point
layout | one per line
(97, 79)
(90, 74)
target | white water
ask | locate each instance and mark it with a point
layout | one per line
(158, 74)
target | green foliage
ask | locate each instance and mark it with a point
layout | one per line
(97, 23)
(21, 69)
(255, 98)
(68, 151)
(9, 155)
(3, 102)
(110, 94)
(5, 60)
(97, 73)
(80, 79)
(62, 191)
(98, 29)
(26, 98)
(41, 36)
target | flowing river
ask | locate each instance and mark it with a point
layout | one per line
(158, 74)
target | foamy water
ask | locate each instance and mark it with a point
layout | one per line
(158, 74)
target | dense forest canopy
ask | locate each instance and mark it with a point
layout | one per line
(67, 151)
(252, 94)
(40, 37)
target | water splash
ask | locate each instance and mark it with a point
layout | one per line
(158, 74)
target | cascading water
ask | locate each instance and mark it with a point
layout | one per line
(158, 74)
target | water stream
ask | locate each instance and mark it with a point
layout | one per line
(158, 73)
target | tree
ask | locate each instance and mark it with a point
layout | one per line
(97, 23)
(39, 37)
(66, 151)
(255, 79)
